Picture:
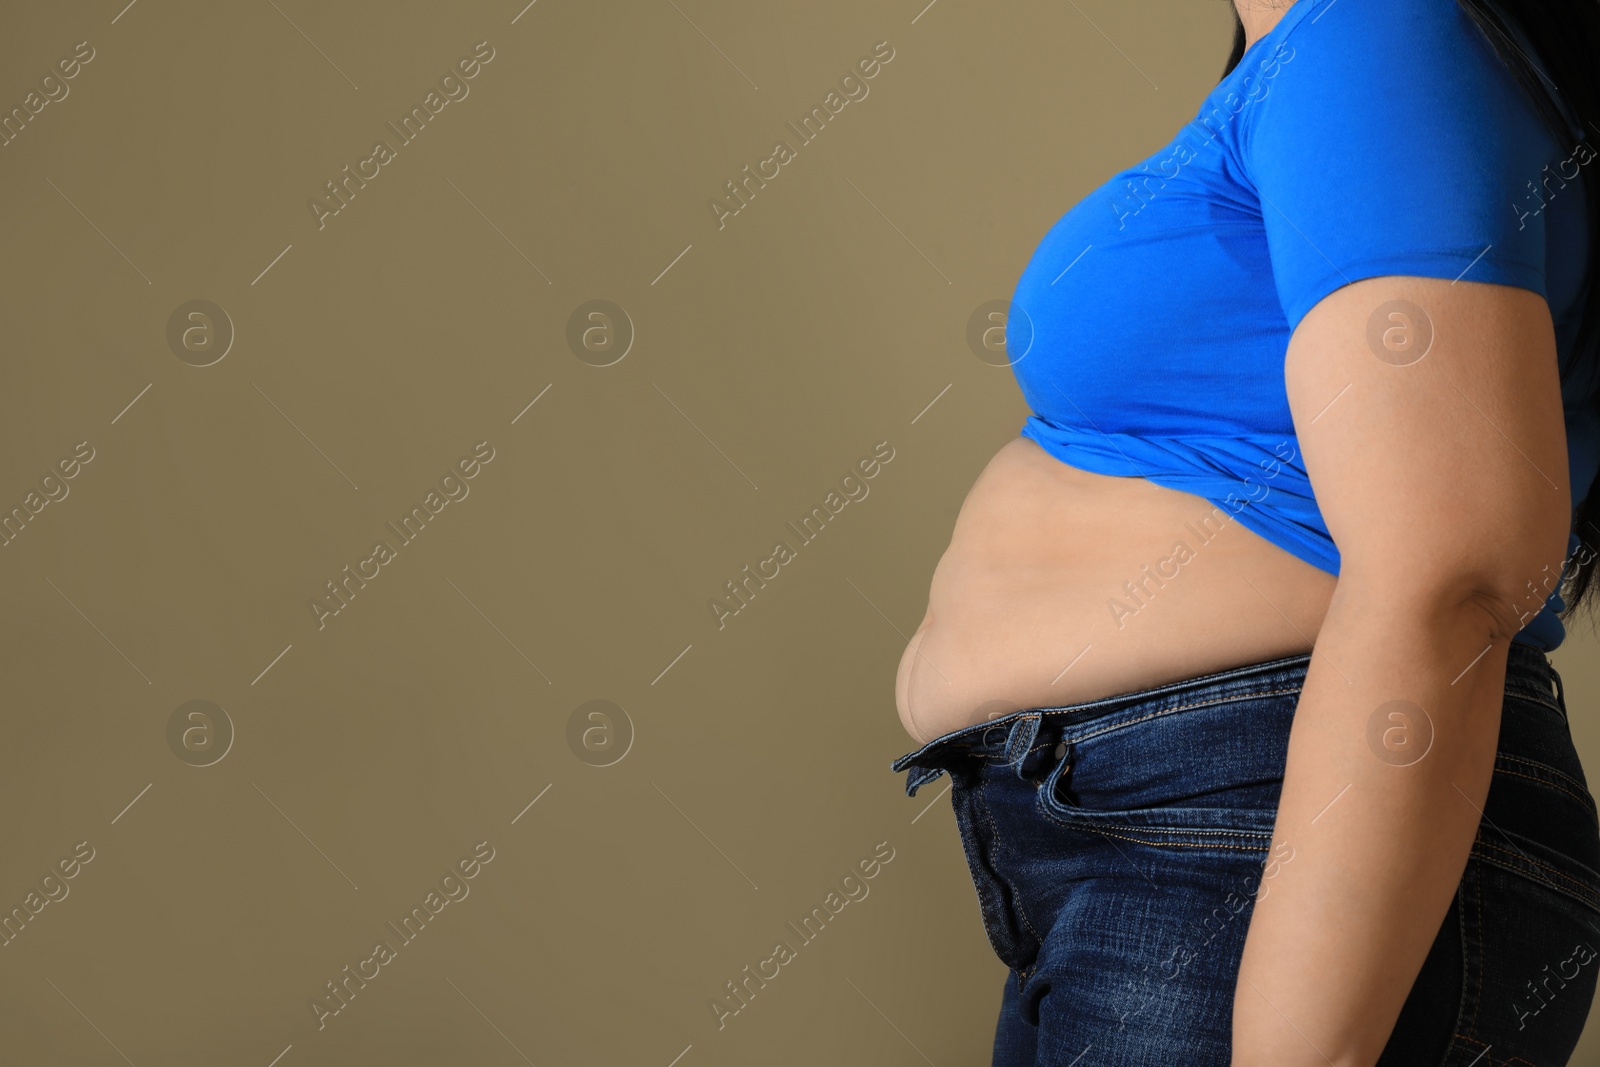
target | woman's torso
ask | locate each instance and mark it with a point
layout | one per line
(1148, 334)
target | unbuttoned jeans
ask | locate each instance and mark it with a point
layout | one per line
(1118, 846)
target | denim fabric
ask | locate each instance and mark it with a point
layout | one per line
(1117, 847)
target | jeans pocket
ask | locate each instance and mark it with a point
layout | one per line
(1531, 955)
(1518, 772)
(1539, 823)
(1179, 824)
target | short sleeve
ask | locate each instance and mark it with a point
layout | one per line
(1393, 140)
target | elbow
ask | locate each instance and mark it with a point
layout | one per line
(1510, 587)
(1501, 582)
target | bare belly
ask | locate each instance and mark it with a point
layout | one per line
(1061, 586)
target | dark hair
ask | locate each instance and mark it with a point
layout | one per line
(1566, 36)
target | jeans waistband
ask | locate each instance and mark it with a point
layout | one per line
(1530, 677)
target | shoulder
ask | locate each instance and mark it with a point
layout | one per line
(1419, 30)
(1393, 139)
(1393, 90)
(1397, 59)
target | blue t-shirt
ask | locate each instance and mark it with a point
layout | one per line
(1357, 138)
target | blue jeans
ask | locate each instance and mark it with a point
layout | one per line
(1118, 846)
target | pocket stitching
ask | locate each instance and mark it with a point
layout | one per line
(1584, 889)
(1046, 802)
(1578, 791)
(1179, 830)
(1266, 840)
(1505, 1063)
(1585, 801)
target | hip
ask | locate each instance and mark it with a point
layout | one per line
(1118, 845)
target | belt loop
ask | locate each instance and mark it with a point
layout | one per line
(1020, 741)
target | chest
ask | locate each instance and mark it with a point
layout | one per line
(1151, 302)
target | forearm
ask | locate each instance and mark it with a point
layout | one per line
(1381, 817)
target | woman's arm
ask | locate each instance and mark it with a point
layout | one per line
(1444, 485)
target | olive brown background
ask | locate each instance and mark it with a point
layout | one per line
(538, 675)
